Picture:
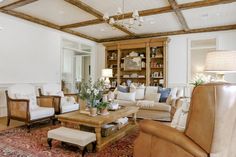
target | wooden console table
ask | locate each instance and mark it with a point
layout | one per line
(97, 122)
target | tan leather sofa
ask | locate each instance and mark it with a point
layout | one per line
(210, 131)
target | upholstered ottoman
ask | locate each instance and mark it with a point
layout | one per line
(73, 136)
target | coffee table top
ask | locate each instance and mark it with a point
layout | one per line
(99, 120)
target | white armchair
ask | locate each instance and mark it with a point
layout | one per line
(62, 102)
(24, 105)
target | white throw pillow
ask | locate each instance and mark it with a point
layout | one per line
(151, 89)
(180, 116)
(153, 97)
(126, 96)
(140, 92)
(173, 92)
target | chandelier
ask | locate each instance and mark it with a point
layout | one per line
(119, 18)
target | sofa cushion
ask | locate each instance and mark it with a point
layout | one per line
(139, 92)
(151, 89)
(126, 96)
(124, 89)
(125, 102)
(158, 107)
(153, 97)
(165, 92)
(41, 112)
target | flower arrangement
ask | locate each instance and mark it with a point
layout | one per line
(91, 92)
(199, 79)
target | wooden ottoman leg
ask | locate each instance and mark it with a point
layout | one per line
(84, 149)
(49, 142)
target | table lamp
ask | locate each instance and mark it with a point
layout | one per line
(107, 73)
(221, 62)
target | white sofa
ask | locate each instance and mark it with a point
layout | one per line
(148, 101)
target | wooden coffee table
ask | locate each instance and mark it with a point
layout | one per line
(77, 119)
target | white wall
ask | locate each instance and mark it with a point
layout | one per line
(30, 53)
(178, 54)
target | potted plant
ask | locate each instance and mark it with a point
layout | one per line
(92, 93)
(199, 79)
(102, 106)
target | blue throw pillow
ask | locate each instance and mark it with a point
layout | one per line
(165, 92)
(123, 89)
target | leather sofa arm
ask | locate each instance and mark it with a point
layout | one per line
(172, 135)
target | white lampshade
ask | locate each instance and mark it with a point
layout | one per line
(106, 72)
(221, 62)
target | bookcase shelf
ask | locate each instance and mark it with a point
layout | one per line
(153, 57)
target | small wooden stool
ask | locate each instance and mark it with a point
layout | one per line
(73, 136)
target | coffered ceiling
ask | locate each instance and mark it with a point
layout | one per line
(161, 17)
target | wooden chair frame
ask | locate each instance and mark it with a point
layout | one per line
(57, 100)
(26, 119)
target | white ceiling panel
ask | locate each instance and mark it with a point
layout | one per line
(218, 15)
(100, 31)
(186, 1)
(110, 6)
(56, 11)
(6, 2)
(158, 23)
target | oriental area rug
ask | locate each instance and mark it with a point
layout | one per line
(17, 142)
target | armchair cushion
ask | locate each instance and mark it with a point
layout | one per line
(52, 89)
(69, 108)
(41, 112)
(24, 91)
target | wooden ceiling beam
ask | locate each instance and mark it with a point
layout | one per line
(160, 34)
(45, 23)
(95, 13)
(17, 4)
(82, 24)
(155, 11)
(205, 3)
(179, 14)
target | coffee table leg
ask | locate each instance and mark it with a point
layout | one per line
(134, 118)
(98, 136)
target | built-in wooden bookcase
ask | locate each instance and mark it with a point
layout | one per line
(153, 57)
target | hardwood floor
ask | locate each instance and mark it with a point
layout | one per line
(14, 123)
